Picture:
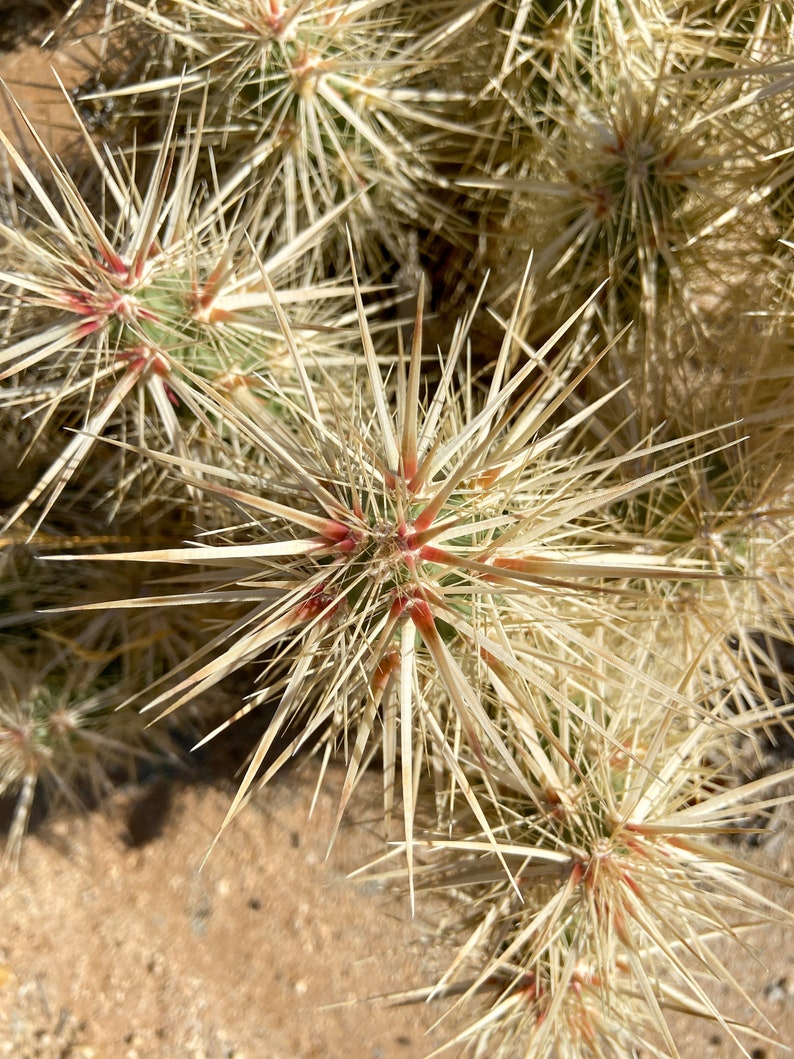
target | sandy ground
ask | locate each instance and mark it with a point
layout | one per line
(116, 944)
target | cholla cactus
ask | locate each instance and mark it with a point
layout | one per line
(625, 174)
(716, 513)
(127, 322)
(321, 99)
(60, 734)
(545, 578)
(406, 547)
(617, 884)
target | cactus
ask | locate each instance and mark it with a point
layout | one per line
(529, 545)
(323, 102)
(616, 889)
(60, 735)
(125, 322)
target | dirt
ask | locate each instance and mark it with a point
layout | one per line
(115, 945)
